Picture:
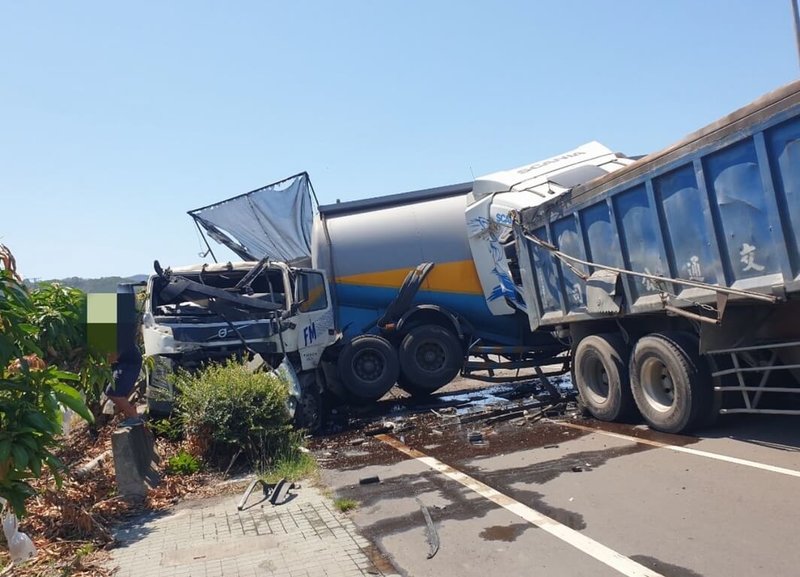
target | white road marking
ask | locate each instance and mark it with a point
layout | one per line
(687, 450)
(616, 561)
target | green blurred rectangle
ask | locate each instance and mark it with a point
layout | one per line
(101, 319)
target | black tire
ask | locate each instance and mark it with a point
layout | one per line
(430, 357)
(308, 412)
(368, 367)
(671, 382)
(600, 373)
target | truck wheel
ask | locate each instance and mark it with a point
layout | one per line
(308, 413)
(670, 382)
(600, 373)
(430, 357)
(369, 367)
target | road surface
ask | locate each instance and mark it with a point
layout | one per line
(576, 497)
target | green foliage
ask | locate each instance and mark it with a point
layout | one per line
(32, 393)
(170, 428)
(345, 505)
(60, 317)
(226, 409)
(183, 464)
(293, 466)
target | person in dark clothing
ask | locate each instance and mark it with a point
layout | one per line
(127, 360)
(125, 368)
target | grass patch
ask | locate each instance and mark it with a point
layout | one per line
(292, 468)
(183, 464)
(345, 505)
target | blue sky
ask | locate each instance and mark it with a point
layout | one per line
(116, 118)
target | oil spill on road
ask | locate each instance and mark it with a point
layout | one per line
(454, 447)
(337, 452)
(507, 533)
(665, 569)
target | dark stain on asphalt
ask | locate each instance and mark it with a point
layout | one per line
(536, 502)
(666, 569)
(581, 462)
(337, 453)
(640, 432)
(381, 564)
(502, 438)
(506, 533)
(463, 504)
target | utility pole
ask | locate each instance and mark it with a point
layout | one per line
(796, 15)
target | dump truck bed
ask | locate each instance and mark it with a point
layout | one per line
(721, 207)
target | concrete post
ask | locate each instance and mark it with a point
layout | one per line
(134, 459)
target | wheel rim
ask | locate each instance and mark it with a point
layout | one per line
(597, 381)
(369, 365)
(657, 385)
(430, 357)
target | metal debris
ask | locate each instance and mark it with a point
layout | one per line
(432, 535)
(280, 494)
(277, 494)
(476, 438)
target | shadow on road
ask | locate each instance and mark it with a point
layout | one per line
(774, 431)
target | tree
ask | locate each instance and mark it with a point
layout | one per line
(32, 392)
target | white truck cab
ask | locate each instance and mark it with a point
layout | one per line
(496, 197)
(210, 312)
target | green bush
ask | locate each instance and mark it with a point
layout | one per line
(227, 410)
(183, 464)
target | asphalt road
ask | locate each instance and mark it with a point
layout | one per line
(559, 500)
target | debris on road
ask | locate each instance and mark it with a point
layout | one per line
(431, 534)
(369, 480)
(277, 494)
(358, 441)
(476, 438)
(280, 493)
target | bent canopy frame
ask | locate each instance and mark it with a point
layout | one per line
(273, 221)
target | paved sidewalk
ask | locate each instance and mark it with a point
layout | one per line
(306, 537)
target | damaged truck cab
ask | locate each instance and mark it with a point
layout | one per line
(268, 311)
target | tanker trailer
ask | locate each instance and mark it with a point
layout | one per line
(426, 281)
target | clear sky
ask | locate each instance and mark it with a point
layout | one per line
(116, 118)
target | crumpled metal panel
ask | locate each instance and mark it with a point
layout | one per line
(602, 294)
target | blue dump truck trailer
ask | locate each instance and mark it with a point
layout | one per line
(676, 279)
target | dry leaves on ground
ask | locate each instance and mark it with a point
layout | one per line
(71, 526)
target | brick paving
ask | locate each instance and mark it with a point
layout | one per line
(306, 537)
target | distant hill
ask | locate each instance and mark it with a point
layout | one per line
(106, 284)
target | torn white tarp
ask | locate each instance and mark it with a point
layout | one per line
(273, 221)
